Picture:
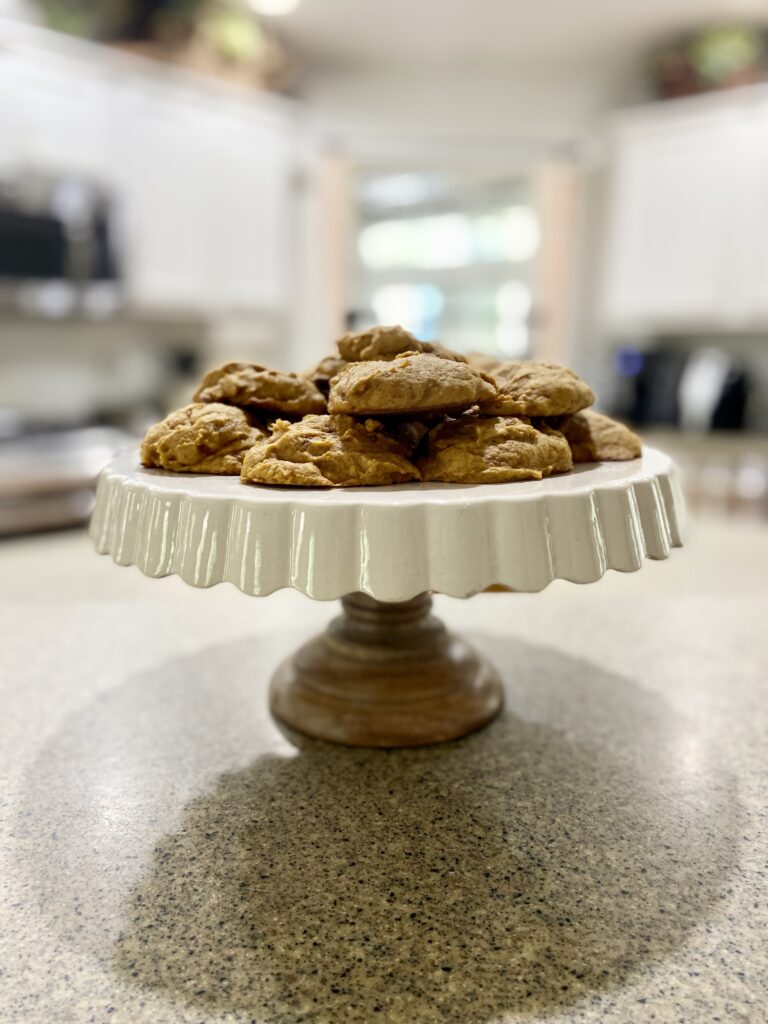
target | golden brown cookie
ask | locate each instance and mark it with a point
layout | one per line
(494, 449)
(538, 389)
(482, 361)
(436, 349)
(594, 437)
(328, 451)
(387, 343)
(322, 374)
(408, 384)
(254, 387)
(201, 438)
(378, 343)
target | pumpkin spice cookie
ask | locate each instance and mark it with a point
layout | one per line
(412, 383)
(538, 389)
(482, 361)
(254, 387)
(387, 343)
(594, 437)
(328, 451)
(493, 449)
(436, 349)
(378, 343)
(201, 438)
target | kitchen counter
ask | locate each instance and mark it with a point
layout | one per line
(597, 854)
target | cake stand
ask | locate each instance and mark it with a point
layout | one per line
(386, 672)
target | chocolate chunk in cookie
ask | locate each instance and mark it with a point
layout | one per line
(253, 387)
(409, 433)
(594, 437)
(537, 389)
(409, 384)
(322, 374)
(201, 438)
(328, 451)
(495, 449)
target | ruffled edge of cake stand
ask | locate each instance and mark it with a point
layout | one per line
(390, 551)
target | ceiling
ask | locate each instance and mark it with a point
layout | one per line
(479, 31)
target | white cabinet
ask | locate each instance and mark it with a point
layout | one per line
(54, 116)
(688, 217)
(250, 228)
(201, 175)
(755, 217)
(205, 194)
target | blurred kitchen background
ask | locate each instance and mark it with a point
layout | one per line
(185, 182)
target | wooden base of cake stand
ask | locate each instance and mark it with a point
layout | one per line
(385, 675)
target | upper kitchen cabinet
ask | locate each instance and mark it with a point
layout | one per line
(199, 173)
(205, 201)
(755, 216)
(688, 216)
(54, 114)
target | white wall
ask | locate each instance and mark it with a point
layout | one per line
(560, 101)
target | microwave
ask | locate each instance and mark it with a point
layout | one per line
(55, 229)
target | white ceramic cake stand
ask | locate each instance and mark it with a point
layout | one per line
(386, 672)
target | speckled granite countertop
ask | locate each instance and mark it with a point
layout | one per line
(598, 854)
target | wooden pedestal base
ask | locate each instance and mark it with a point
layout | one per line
(385, 675)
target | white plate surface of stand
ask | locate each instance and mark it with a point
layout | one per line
(389, 542)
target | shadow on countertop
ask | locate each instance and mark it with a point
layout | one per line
(531, 866)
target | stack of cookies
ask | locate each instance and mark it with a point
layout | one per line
(388, 409)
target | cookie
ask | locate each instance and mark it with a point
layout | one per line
(388, 342)
(201, 438)
(322, 374)
(378, 343)
(436, 349)
(494, 449)
(254, 387)
(482, 361)
(537, 389)
(594, 437)
(328, 451)
(408, 384)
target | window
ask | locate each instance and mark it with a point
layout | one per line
(417, 307)
(449, 257)
(451, 240)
